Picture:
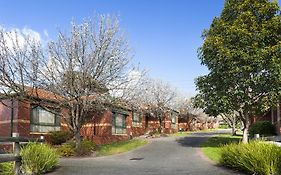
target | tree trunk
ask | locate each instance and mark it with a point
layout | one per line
(272, 116)
(77, 138)
(233, 130)
(160, 126)
(233, 127)
(246, 123)
(278, 119)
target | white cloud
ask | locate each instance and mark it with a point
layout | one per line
(17, 37)
(125, 90)
(31, 33)
(46, 33)
(13, 38)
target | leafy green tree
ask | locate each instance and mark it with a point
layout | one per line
(242, 50)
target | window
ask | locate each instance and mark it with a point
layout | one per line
(43, 120)
(119, 123)
(173, 120)
(137, 122)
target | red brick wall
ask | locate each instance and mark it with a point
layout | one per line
(100, 129)
(167, 125)
(5, 130)
(23, 124)
(266, 117)
(100, 126)
(109, 139)
(168, 129)
(138, 131)
(153, 124)
(184, 124)
(5, 117)
(21, 120)
(213, 125)
(129, 121)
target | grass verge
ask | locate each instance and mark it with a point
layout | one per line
(179, 134)
(212, 148)
(185, 133)
(120, 147)
(204, 130)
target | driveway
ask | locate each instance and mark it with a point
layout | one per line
(165, 156)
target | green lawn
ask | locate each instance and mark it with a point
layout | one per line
(120, 147)
(179, 134)
(212, 147)
(185, 133)
(204, 130)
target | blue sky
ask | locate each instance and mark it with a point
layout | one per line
(164, 34)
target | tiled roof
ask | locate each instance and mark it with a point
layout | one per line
(42, 94)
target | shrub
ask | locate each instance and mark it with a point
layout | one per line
(86, 148)
(223, 126)
(154, 132)
(59, 137)
(66, 150)
(264, 128)
(255, 157)
(38, 158)
(6, 168)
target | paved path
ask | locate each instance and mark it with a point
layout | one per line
(165, 156)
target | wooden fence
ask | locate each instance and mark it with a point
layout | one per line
(15, 156)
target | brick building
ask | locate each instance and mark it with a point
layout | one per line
(273, 116)
(33, 118)
(27, 117)
(190, 122)
(170, 122)
(114, 125)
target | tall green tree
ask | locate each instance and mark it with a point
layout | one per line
(242, 50)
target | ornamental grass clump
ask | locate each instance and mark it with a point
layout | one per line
(66, 150)
(86, 148)
(6, 168)
(255, 157)
(38, 158)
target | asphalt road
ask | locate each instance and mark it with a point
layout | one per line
(165, 156)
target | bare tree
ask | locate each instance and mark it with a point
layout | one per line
(84, 65)
(80, 68)
(158, 96)
(134, 90)
(185, 105)
(190, 112)
(20, 56)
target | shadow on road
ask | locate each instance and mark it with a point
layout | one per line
(191, 141)
(196, 139)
